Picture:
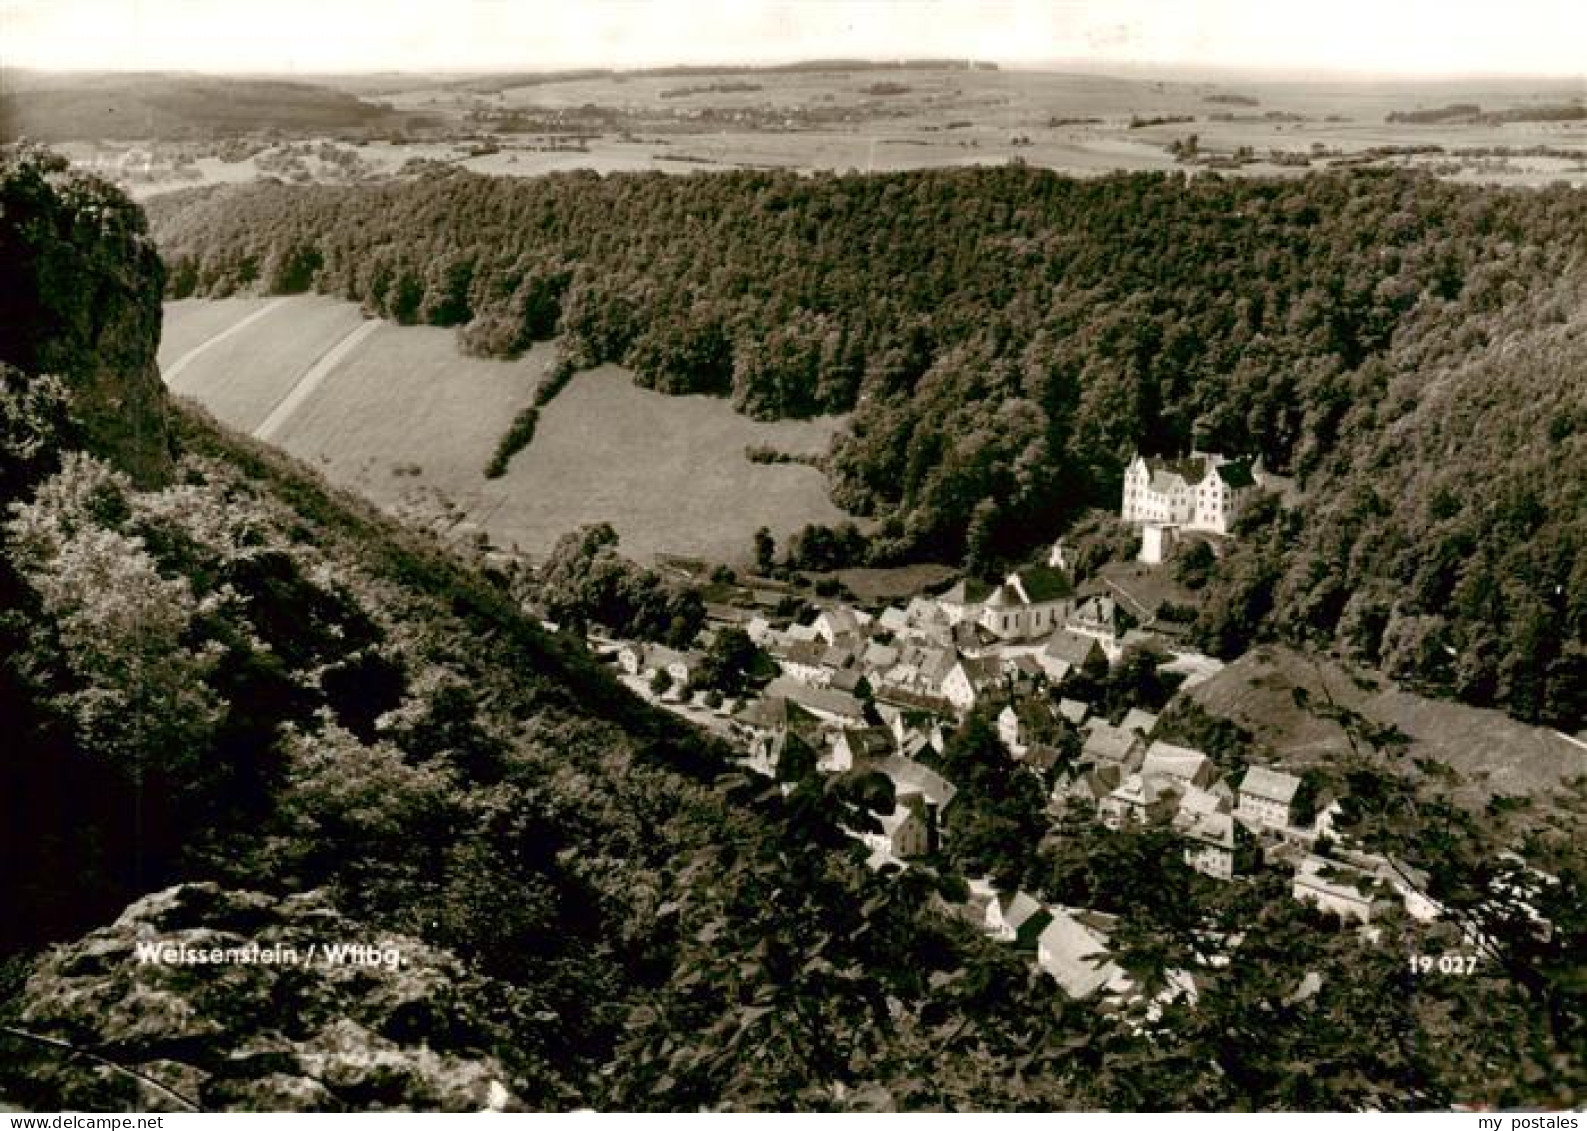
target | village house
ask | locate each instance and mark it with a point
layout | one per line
(1099, 618)
(1041, 756)
(1022, 720)
(905, 832)
(631, 657)
(1139, 722)
(1075, 955)
(963, 601)
(1091, 784)
(801, 660)
(892, 620)
(920, 669)
(840, 622)
(1074, 711)
(1179, 764)
(639, 659)
(1067, 652)
(856, 747)
(1347, 891)
(879, 657)
(767, 723)
(1018, 919)
(851, 680)
(1111, 745)
(910, 778)
(968, 680)
(1138, 799)
(1011, 731)
(837, 708)
(1210, 841)
(1267, 797)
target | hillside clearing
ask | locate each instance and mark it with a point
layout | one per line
(401, 417)
(669, 473)
(1495, 753)
(246, 374)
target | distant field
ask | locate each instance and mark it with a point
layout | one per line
(1257, 691)
(409, 422)
(1079, 124)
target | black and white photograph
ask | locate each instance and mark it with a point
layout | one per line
(816, 556)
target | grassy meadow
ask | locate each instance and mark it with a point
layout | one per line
(409, 422)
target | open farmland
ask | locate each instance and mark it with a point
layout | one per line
(404, 419)
(885, 119)
(244, 367)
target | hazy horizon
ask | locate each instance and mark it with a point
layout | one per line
(1349, 40)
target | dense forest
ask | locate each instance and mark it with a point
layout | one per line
(1414, 352)
(253, 710)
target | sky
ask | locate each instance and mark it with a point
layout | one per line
(1304, 37)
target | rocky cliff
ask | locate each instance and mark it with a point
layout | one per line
(80, 287)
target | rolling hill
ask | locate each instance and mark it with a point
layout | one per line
(175, 107)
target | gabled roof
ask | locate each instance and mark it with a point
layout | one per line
(1210, 828)
(1137, 719)
(980, 671)
(879, 656)
(1017, 909)
(1178, 762)
(972, 636)
(935, 664)
(1071, 647)
(1138, 790)
(775, 712)
(1196, 800)
(838, 655)
(893, 619)
(1272, 785)
(1343, 881)
(1075, 710)
(909, 775)
(1109, 744)
(1075, 955)
(848, 679)
(1041, 756)
(1026, 665)
(805, 652)
(840, 620)
(1098, 609)
(869, 742)
(820, 700)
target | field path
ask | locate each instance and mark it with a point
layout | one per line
(181, 363)
(312, 379)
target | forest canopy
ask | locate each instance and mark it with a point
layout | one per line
(1411, 350)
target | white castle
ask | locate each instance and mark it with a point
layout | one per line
(1204, 491)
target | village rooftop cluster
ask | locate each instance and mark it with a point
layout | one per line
(878, 690)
